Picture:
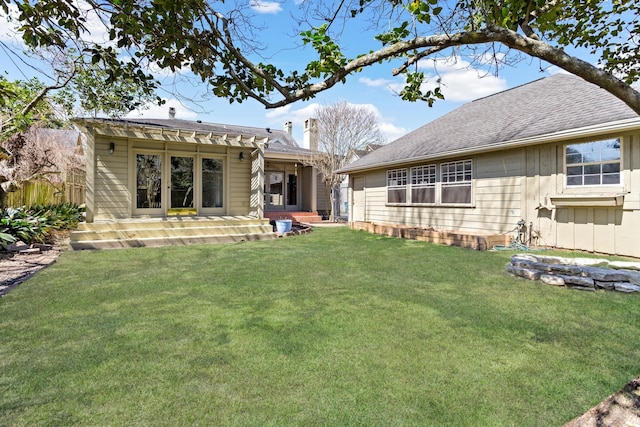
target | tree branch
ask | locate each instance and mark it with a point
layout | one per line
(568, 63)
(227, 40)
(509, 38)
(524, 23)
(390, 51)
(58, 85)
(415, 58)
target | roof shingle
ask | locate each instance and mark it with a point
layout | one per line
(543, 107)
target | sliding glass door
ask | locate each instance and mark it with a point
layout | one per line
(176, 184)
(148, 184)
(182, 182)
(212, 186)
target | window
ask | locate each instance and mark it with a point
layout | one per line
(593, 163)
(148, 181)
(397, 186)
(456, 182)
(212, 183)
(423, 184)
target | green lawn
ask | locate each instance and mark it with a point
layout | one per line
(333, 328)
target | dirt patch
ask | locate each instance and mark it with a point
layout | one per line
(619, 409)
(16, 267)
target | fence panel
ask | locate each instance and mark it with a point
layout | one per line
(38, 192)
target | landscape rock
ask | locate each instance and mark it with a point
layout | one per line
(587, 282)
(609, 286)
(42, 246)
(607, 275)
(17, 246)
(576, 273)
(552, 280)
(625, 265)
(582, 262)
(30, 251)
(626, 287)
(527, 273)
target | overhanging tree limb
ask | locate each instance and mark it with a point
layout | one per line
(568, 63)
(493, 34)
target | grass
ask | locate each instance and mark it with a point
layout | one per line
(337, 327)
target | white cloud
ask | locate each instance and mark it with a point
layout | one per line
(375, 82)
(459, 81)
(467, 85)
(9, 24)
(267, 7)
(286, 114)
(297, 118)
(554, 69)
(279, 112)
(163, 73)
(391, 131)
(97, 30)
(155, 111)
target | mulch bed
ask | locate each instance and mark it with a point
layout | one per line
(15, 268)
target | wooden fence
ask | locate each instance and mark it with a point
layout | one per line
(39, 192)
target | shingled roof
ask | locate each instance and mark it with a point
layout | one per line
(526, 114)
(279, 140)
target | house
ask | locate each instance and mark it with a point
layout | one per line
(150, 179)
(342, 201)
(559, 155)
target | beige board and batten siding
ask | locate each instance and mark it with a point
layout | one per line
(90, 176)
(496, 200)
(110, 191)
(111, 195)
(239, 186)
(580, 219)
(522, 183)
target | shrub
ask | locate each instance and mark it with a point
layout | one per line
(37, 223)
(62, 216)
(6, 240)
(21, 225)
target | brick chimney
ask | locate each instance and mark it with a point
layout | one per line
(288, 127)
(310, 139)
(172, 112)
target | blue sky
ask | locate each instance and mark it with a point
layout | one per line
(373, 87)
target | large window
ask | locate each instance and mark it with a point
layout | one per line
(423, 184)
(212, 183)
(148, 181)
(456, 182)
(593, 163)
(397, 186)
(420, 184)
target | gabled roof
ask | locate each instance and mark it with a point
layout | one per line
(367, 149)
(523, 115)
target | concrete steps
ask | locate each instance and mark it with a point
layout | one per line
(169, 232)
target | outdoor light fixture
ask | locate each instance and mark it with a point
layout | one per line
(241, 156)
(112, 147)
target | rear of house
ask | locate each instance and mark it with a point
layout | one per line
(171, 181)
(558, 154)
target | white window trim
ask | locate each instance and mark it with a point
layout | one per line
(591, 186)
(433, 185)
(463, 183)
(438, 185)
(404, 186)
